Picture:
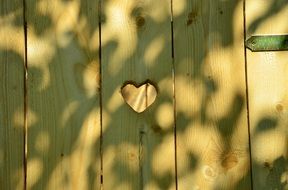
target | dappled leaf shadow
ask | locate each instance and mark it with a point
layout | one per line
(276, 7)
(64, 103)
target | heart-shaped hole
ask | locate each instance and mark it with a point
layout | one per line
(139, 97)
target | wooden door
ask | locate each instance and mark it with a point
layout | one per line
(142, 95)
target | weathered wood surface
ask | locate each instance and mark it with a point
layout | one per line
(11, 95)
(268, 96)
(64, 107)
(138, 149)
(212, 130)
(63, 97)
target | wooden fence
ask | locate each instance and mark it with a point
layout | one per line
(214, 115)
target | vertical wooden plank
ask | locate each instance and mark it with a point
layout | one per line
(212, 129)
(268, 96)
(138, 148)
(11, 95)
(63, 83)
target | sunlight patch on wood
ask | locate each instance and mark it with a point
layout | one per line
(80, 158)
(11, 42)
(211, 150)
(238, 35)
(119, 27)
(195, 89)
(233, 163)
(179, 7)
(89, 135)
(93, 41)
(91, 76)
(163, 157)
(153, 50)
(195, 180)
(165, 116)
(42, 142)
(284, 179)
(151, 186)
(59, 175)
(115, 100)
(86, 76)
(68, 112)
(267, 67)
(203, 143)
(106, 120)
(18, 118)
(18, 181)
(64, 16)
(165, 86)
(255, 11)
(10, 35)
(123, 185)
(90, 131)
(199, 138)
(189, 182)
(41, 52)
(209, 173)
(35, 170)
(225, 69)
(269, 145)
(158, 10)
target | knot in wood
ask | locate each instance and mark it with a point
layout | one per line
(140, 21)
(230, 160)
(209, 172)
(279, 107)
(191, 17)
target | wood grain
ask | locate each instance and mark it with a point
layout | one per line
(63, 97)
(138, 148)
(11, 95)
(268, 96)
(212, 130)
(139, 98)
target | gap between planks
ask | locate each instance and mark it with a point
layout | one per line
(100, 93)
(247, 92)
(25, 79)
(174, 93)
